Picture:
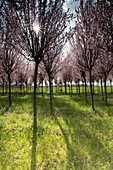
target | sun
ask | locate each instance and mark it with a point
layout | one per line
(36, 27)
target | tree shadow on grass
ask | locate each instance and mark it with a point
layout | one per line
(71, 155)
(34, 144)
(82, 130)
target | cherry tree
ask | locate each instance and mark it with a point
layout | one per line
(67, 71)
(86, 39)
(105, 24)
(53, 63)
(49, 21)
(9, 58)
(105, 67)
(42, 75)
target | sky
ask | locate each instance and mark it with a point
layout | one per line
(71, 4)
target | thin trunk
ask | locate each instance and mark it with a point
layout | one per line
(111, 85)
(85, 90)
(93, 86)
(82, 86)
(6, 86)
(26, 85)
(79, 87)
(65, 87)
(98, 88)
(91, 91)
(16, 85)
(50, 87)
(71, 87)
(20, 87)
(61, 86)
(34, 95)
(105, 89)
(3, 88)
(9, 79)
(102, 90)
(76, 88)
(42, 88)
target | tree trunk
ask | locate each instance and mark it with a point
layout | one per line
(3, 88)
(26, 85)
(65, 87)
(6, 86)
(16, 86)
(91, 91)
(102, 90)
(111, 85)
(105, 89)
(71, 87)
(85, 90)
(93, 87)
(20, 87)
(34, 95)
(82, 87)
(61, 86)
(50, 87)
(76, 88)
(42, 88)
(79, 87)
(9, 79)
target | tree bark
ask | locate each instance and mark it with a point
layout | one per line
(61, 86)
(3, 88)
(50, 87)
(6, 86)
(26, 85)
(91, 91)
(9, 79)
(76, 88)
(105, 89)
(102, 90)
(42, 89)
(85, 90)
(34, 95)
(65, 88)
(82, 86)
(111, 85)
(71, 87)
(79, 87)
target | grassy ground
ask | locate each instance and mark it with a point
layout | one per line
(72, 137)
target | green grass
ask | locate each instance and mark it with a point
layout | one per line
(72, 137)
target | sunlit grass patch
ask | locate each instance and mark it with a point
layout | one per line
(71, 137)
